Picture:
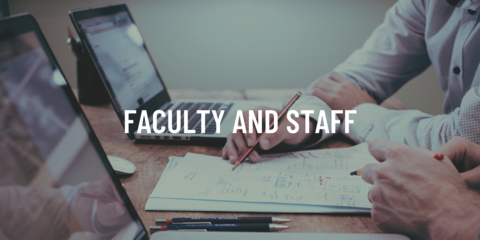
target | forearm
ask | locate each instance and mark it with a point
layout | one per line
(415, 128)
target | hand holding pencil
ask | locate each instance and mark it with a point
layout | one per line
(238, 143)
(280, 117)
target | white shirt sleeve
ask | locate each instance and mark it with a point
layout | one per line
(415, 128)
(317, 105)
(394, 53)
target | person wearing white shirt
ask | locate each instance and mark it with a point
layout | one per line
(414, 35)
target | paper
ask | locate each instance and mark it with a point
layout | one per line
(189, 205)
(317, 177)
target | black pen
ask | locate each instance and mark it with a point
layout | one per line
(217, 220)
(252, 227)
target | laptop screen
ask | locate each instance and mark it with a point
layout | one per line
(122, 57)
(53, 181)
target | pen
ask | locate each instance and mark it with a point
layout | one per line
(258, 227)
(358, 172)
(282, 113)
(89, 195)
(217, 220)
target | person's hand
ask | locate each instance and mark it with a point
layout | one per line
(108, 216)
(465, 155)
(416, 195)
(338, 92)
(237, 142)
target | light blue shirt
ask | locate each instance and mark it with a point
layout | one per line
(415, 34)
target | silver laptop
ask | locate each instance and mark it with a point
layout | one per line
(129, 74)
(55, 179)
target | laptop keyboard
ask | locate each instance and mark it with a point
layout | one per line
(194, 121)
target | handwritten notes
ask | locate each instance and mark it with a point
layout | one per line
(315, 177)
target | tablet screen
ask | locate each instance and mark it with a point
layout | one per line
(53, 183)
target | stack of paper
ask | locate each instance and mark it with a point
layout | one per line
(316, 181)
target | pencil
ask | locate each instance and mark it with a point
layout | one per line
(89, 195)
(282, 114)
(358, 172)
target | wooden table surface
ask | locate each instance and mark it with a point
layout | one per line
(151, 159)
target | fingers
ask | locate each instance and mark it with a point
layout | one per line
(241, 146)
(464, 154)
(231, 149)
(383, 149)
(453, 149)
(325, 84)
(257, 113)
(270, 140)
(236, 145)
(369, 172)
(320, 87)
(317, 92)
(472, 178)
(239, 142)
(251, 137)
(337, 77)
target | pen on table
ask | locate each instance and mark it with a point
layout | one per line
(218, 220)
(358, 172)
(253, 227)
(104, 198)
(282, 113)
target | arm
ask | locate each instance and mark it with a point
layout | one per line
(415, 128)
(394, 53)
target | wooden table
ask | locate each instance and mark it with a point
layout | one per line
(151, 159)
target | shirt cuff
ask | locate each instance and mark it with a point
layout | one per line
(363, 121)
(315, 104)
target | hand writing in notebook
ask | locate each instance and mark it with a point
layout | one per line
(237, 142)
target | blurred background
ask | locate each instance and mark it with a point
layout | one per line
(241, 44)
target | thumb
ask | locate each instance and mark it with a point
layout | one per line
(270, 140)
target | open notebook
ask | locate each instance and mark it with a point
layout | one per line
(313, 181)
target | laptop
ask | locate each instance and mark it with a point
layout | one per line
(117, 48)
(55, 179)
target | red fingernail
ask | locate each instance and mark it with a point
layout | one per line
(439, 157)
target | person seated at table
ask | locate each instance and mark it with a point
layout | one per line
(414, 35)
(424, 198)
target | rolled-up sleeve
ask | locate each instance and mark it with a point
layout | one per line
(394, 53)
